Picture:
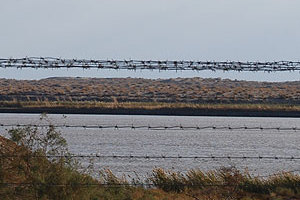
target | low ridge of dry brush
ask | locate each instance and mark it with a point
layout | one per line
(177, 96)
(176, 90)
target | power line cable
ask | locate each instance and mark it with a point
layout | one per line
(155, 157)
(156, 127)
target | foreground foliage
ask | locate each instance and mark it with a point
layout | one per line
(27, 173)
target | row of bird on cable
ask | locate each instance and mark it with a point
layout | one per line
(49, 62)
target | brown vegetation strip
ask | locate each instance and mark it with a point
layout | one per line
(177, 90)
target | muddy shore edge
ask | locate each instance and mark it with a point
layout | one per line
(160, 111)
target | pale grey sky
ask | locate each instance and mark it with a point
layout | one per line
(240, 30)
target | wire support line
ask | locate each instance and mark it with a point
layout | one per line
(154, 157)
(49, 62)
(153, 127)
(9, 184)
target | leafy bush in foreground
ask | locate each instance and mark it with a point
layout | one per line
(30, 175)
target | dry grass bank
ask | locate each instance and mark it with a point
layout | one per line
(146, 105)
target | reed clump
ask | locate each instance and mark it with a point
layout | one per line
(227, 182)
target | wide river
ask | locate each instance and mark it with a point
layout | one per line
(177, 143)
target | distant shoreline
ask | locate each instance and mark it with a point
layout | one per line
(159, 111)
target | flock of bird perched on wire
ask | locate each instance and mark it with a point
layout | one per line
(49, 62)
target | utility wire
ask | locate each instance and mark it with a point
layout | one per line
(114, 184)
(154, 157)
(153, 127)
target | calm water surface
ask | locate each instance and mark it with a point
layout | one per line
(177, 142)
